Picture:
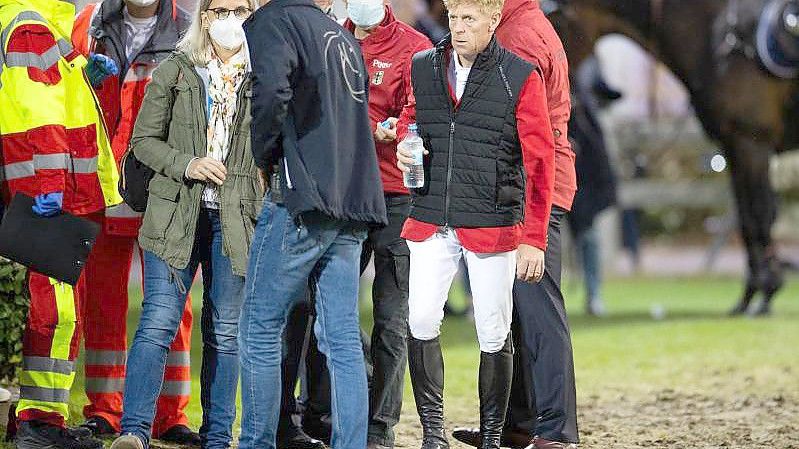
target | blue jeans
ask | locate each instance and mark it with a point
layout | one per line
(164, 299)
(283, 256)
(588, 242)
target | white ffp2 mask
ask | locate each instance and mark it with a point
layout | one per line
(365, 13)
(227, 33)
(142, 3)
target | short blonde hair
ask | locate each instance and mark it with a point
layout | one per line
(486, 6)
(196, 43)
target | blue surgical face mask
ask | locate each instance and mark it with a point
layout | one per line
(365, 13)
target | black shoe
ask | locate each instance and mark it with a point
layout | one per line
(468, 436)
(296, 438)
(181, 435)
(39, 435)
(79, 432)
(472, 437)
(98, 426)
(496, 372)
(426, 366)
(318, 429)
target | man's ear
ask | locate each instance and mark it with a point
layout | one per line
(495, 19)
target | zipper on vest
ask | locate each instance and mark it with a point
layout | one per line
(449, 171)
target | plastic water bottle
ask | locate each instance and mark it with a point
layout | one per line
(414, 178)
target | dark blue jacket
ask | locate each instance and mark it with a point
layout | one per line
(310, 112)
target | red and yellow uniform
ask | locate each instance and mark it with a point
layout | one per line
(53, 139)
(99, 28)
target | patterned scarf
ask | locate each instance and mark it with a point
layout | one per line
(223, 86)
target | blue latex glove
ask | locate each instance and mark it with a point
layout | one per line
(48, 204)
(99, 68)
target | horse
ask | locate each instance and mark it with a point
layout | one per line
(738, 103)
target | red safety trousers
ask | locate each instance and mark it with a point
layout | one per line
(105, 314)
(106, 311)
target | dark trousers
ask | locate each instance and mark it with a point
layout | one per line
(300, 348)
(389, 344)
(543, 399)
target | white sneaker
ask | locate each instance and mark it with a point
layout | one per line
(596, 307)
(127, 442)
(5, 395)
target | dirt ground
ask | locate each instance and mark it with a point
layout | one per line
(667, 420)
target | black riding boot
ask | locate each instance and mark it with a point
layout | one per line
(426, 365)
(496, 373)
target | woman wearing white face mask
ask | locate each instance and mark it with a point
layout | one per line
(193, 130)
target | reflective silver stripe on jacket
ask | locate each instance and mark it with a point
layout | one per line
(17, 59)
(60, 161)
(28, 59)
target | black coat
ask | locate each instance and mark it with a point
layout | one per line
(310, 112)
(596, 179)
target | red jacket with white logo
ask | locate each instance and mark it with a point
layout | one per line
(387, 53)
(100, 28)
(526, 31)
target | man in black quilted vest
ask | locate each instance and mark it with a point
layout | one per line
(489, 168)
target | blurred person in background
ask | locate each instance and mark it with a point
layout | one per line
(193, 131)
(595, 175)
(631, 218)
(388, 46)
(55, 149)
(131, 38)
(312, 139)
(482, 113)
(543, 409)
(416, 13)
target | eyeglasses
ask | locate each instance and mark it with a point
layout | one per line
(222, 13)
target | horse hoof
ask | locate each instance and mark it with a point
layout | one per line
(739, 310)
(762, 310)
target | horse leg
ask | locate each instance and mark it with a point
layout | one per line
(757, 211)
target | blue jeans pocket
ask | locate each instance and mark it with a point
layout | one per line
(298, 238)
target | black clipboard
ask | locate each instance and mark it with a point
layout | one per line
(57, 246)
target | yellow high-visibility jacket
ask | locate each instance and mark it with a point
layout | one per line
(52, 133)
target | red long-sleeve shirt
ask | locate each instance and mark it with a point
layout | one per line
(537, 143)
(388, 52)
(526, 31)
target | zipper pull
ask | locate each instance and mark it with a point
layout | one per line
(452, 128)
